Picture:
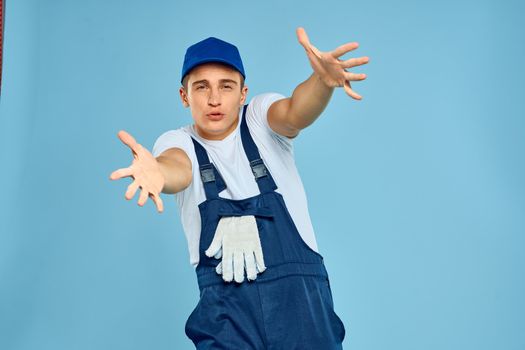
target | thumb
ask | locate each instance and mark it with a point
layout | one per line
(302, 37)
(128, 140)
(305, 42)
(216, 243)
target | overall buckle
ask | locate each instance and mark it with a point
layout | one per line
(258, 168)
(207, 174)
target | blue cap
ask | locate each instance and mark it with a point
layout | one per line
(211, 50)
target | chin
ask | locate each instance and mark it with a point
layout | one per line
(217, 131)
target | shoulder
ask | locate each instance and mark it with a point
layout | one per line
(262, 102)
(257, 116)
(178, 138)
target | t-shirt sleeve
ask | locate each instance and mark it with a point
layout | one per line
(260, 105)
(172, 139)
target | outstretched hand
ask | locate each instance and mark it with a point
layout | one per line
(145, 171)
(330, 69)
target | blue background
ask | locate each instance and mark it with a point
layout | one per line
(416, 193)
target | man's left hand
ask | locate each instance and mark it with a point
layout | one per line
(330, 69)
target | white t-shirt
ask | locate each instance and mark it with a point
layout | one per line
(229, 158)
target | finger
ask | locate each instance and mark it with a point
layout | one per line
(303, 38)
(350, 92)
(251, 269)
(355, 76)
(315, 51)
(128, 140)
(238, 267)
(218, 255)
(305, 42)
(218, 268)
(341, 50)
(120, 173)
(158, 201)
(216, 243)
(259, 260)
(143, 198)
(227, 268)
(215, 248)
(132, 189)
(354, 62)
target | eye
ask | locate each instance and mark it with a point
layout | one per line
(200, 87)
(229, 87)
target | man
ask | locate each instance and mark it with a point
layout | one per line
(242, 203)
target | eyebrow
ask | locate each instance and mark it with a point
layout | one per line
(204, 81)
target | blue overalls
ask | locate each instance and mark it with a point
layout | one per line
(289, 306)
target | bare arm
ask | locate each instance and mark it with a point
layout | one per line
(290, 115)
(175, 166)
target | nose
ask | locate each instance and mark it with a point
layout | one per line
(214, 99)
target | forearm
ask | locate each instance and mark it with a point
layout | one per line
(177, 176)
(308, 101)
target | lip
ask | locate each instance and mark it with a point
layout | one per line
(215, 116)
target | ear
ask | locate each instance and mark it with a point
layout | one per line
(184, 97)
(244, 94)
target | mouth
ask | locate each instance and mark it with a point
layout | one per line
(215, 116)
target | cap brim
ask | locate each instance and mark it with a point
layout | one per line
(210, 60)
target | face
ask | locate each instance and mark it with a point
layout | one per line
(214, 96)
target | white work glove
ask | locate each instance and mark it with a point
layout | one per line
(237, 241)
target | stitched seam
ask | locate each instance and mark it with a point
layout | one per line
(265, 339)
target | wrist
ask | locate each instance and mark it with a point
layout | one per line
(321, 83)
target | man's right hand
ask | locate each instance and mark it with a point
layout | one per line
(144, 170)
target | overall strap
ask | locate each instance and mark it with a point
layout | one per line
(261, 173)
(211, 179)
